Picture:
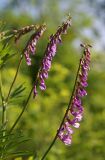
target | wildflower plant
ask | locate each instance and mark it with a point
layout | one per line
(74, 112)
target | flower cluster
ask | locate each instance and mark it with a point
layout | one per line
(20, 32)
(50, 53)
(74, 112)
(31, 45)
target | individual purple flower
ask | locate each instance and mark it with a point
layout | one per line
(27, 57)
(50, 52)
(84, 83)
(73, 122)
(35, 91)
(31, 45)
(81, 92)
(66, 138)
(65, 134)
(42, 84)
(74, 113)
(68, 129)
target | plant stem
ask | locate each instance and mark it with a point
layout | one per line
(4, 118)
(56, 136)
(25, 106)
(1, 91)
(20, 115)
(4, 113)
(14, 78)
(3, 102)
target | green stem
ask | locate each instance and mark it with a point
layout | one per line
(14, 78)
(4, 113)
(20, 115)
(56, 136)
(25, 106)
(1, 90)
(4, 120)
(3, 102)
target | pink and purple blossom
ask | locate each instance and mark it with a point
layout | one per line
(75, 110)
(31, 45)
(50, 52)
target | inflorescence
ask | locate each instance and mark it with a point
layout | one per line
(74, 112)
(20, 32)
(50, 53)
(31, 45)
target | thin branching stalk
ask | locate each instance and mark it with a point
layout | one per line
(3, 102)
(68, 107)
(4, 118)
(1, 90)
(22, 31)
(16, 74)
(20, 115)
(24, 107)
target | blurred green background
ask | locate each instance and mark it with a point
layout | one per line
(43, 115)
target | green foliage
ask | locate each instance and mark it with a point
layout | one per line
(43, 115)
(17, 92)
(10, 142)
(3, 36)
(5, 54)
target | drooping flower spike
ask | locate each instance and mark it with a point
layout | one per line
(31, 45)
(74, 112)
(22, 31)
(50, 53)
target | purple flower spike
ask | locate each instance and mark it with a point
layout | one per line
(50, 52)
(75, 108)
(31, 45)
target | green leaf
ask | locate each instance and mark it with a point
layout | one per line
(5, 54)
(10, 143)
(17, 92)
